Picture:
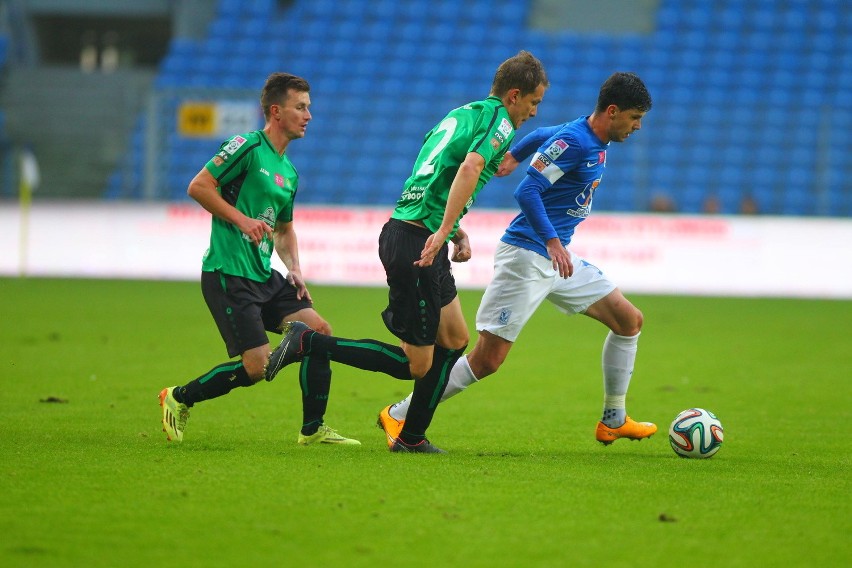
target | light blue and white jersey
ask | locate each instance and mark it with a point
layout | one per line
(556, 193)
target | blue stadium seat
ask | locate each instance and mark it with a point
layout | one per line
(4, 50)
(708, 65)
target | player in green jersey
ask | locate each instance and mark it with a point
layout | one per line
(458, 157)
(249, 187)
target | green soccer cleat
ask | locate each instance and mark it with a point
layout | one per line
(288, 351)
(175, 415)
(326, 435)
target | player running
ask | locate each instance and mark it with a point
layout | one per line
(457, 159)
(250, 186)
(532, 263)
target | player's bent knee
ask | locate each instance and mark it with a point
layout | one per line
(457, 343)
(629, 323)
(254, 364)
(634, 326)
(417, 371)
(323, 328)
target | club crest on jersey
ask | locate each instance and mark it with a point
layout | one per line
(504, 316)
(234, 144)
(555, 150)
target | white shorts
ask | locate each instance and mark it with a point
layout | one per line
(523, 279)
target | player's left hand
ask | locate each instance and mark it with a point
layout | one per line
(300, 286)
(461, 247)
(560, 258)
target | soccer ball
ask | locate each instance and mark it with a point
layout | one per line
(696, 433)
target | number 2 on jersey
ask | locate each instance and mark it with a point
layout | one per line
(448, 127)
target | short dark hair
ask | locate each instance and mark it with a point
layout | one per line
(276, 88)
(624, 90)
(523, 71)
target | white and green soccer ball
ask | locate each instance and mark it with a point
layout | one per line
(696, 433)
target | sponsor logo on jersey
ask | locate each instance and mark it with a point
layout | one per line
(413, 193)
(584, 201)
(234, 144)
(279, 180)
(555, 150)
(506, 128)
(264, 172)
(495, 143)
(218, 160)
(268, 217)
(600, 160)
(540, 161)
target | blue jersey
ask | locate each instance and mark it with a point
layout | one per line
(556, 193)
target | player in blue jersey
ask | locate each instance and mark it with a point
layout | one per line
(532, 263)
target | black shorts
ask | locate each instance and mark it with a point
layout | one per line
(416, 295)
(245, 310)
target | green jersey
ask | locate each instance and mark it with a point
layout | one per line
(483, 127)
(261, 184)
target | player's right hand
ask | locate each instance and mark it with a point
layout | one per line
(430, 251)
(507, 166)
(255, 230)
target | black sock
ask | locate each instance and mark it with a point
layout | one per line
(427, 394)
(217, 382)
(366, 354)
(315, 382)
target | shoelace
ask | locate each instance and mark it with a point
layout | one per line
(329, 432)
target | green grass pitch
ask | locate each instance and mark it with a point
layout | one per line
(89, 480)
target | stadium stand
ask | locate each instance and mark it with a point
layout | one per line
(752, 100)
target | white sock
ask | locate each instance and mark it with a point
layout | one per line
(461, 376)
(399, 410)
(619, 356)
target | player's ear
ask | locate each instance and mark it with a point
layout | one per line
(513, 95)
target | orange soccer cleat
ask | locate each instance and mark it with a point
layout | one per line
(631, 430)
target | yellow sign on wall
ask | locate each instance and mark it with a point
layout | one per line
(197, 119)
(217, 119)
